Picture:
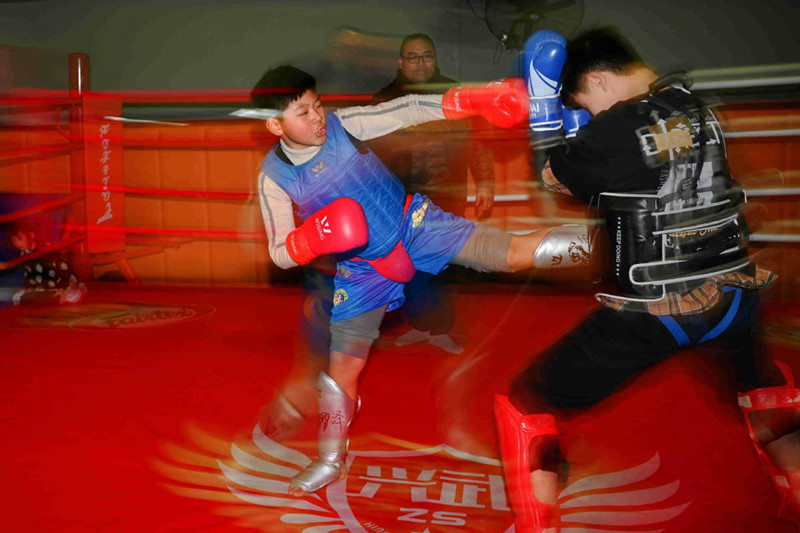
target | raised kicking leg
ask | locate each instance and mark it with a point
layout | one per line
(554, 248)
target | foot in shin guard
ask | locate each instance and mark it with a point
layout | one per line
(315, 476)
(517, 432)
(336, 413)
(786, 398)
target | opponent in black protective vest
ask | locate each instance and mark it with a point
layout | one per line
(653, 158)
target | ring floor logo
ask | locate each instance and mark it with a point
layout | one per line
(130, 315)
(411, 489)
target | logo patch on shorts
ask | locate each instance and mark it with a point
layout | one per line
(339, 297)
(419, 214)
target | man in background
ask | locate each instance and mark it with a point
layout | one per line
(433, 159)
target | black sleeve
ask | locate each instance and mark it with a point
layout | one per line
(580, 166)
(603, 156)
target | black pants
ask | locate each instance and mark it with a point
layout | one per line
(609, 347)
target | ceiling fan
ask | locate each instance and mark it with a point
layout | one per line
(513, 21)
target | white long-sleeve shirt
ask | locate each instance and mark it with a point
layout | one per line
(362, 122)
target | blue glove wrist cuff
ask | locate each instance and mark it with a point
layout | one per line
(546, 113)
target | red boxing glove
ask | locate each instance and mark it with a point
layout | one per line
(504, 103)
(339, 226)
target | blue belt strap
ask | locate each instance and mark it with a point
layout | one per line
(676, 330)
(727, 319)
(680, 335)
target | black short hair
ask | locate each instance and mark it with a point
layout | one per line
(415, 37)
(602, 49)
(280, 86)
(25, 226)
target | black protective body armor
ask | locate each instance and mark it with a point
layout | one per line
(692, 227)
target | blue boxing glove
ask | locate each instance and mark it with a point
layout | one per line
(543, 57)
(574, 119)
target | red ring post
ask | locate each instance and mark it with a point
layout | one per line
(79, 83)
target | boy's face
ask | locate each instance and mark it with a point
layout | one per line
(303, 122)
(24, 240)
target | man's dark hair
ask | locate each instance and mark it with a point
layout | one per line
(415, 37)
(602, 49)
(281, 86)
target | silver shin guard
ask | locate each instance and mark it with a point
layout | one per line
(336, 413)
(567, 246)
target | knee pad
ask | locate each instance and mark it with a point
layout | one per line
(786, 399)
(485, 250)
(520, 445)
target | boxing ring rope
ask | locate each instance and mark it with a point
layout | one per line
(178, 193)
(217, 96)
(21, 213)
(781, 76)
(793, 191)
(37, 152)
(23, 109)
(19, 103)
(791, 132)
(60, 245)
(43, 101)
(709, 81)
(745, 77)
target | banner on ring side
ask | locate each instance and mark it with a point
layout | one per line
(103, 152)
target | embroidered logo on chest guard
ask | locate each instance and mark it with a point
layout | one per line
(319, 169)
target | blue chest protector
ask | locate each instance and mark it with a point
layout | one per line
(342, 169)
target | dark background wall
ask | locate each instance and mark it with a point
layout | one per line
(351, 45)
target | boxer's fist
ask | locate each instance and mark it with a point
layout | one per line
(339, 226)
(575, 119)
(543, 56)
(504, 103)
